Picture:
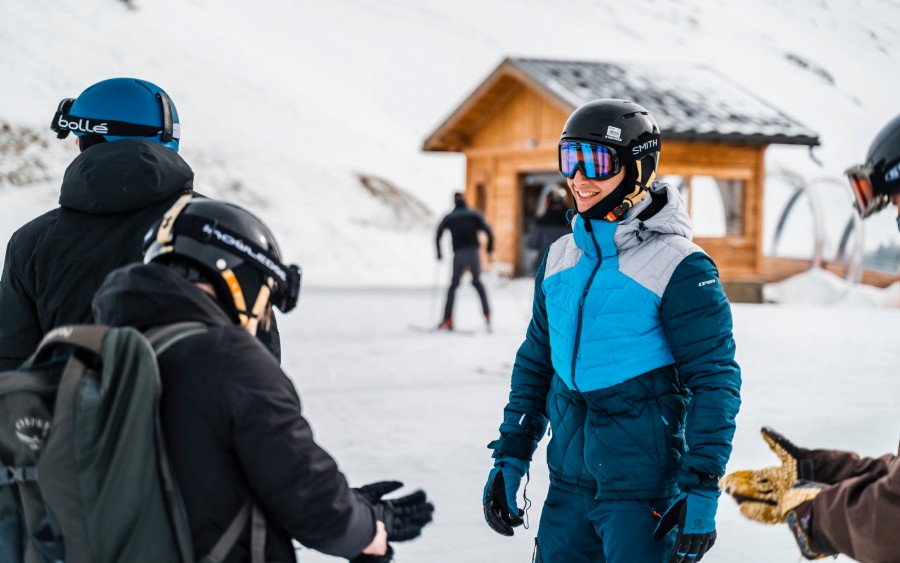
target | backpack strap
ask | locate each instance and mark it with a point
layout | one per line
(86, 337)
(162, 338)
(249, 512)
(11, 475)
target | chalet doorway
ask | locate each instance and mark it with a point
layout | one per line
(534, 189)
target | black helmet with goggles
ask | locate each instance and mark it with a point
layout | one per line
(874, 182)
(603, 136)
(230, 248)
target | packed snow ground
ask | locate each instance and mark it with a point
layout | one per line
(392, 403)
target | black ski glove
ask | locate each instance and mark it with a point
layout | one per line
(694, 515)
(500, 510)
(404, 517)
(386, 558)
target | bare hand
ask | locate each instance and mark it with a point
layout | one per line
(379, 542)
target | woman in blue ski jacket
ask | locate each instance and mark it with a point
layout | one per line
(630, 358)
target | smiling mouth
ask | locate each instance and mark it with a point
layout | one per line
(586, 195)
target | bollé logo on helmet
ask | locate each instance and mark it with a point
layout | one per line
(225, 238)
(32, 431)
(83, 125)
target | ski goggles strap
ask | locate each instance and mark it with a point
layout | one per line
(63, 123)
(866, 200)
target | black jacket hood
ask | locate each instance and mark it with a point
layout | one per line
(148, 295)
(123, 176)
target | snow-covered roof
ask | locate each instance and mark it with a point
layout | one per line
(689, 102)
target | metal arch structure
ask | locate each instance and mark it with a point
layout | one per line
(853, 262)
(853, 269)
(801, 188)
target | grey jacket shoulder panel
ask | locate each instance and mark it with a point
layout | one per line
(563, 254)
(653, 262)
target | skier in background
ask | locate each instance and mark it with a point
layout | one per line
(550, 226)
(835, 502)
(629, 356)
(127, 174)
(464, 225)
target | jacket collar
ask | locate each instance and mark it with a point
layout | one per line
(631, 230)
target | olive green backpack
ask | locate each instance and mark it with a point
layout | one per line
(84, 476)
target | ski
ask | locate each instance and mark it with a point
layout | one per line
(434, 329)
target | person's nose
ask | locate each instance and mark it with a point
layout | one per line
(578, 179)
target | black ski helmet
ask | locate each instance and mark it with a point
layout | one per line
(230, 248)
(878, 179)
(632, 133)
(621, 125)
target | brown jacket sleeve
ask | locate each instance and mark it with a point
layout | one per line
(859, 516)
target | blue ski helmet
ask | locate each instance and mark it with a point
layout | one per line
(120, 108)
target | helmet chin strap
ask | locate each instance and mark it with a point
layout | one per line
(249, 320)
(619, 201)
(258, 311)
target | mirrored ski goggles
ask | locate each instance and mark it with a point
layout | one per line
(595, 161)
(866, 201)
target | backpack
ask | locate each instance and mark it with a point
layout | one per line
(84, 476)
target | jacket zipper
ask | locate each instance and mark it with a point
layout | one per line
(584, 293)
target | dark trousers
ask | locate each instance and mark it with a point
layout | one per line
(466, 258)
(578, 529)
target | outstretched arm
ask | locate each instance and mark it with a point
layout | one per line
(857, 516)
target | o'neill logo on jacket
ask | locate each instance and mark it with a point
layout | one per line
(32, 431)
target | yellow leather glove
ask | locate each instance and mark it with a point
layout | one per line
(760, 492)
(797, 516)
(797, 494)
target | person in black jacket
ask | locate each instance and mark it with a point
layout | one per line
(231, 418)
(126, 176)
(464, 225)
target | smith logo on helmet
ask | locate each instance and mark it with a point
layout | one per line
(243, 247)
(651, 144)
(893, 174)
(83, 125)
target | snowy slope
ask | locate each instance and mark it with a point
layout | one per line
(389, 403)
(283, 103)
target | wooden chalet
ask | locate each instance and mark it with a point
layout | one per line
(714, 133)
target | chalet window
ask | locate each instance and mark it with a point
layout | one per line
(716, 205)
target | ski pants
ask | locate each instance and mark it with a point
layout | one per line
(466, 258)
(579, 529)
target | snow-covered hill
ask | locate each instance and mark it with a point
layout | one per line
(283, 104)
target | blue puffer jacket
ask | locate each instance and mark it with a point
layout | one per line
(630, 357)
